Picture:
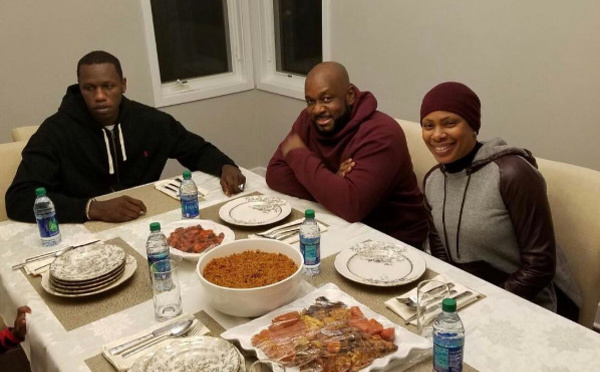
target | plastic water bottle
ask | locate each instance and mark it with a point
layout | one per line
(448, 339)
(157, 247)
(188, 193)
(310, 243)
(45, 216)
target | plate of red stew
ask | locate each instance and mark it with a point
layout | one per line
(191, 238)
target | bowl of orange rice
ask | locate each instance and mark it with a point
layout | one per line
(250, 277)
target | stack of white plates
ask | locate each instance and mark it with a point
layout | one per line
(88, 270)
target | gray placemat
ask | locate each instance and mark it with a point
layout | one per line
(242, 232)
(76, 312)
(156, 203)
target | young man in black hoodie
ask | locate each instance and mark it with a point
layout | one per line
(99, 142)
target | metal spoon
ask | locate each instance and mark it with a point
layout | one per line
(182, 329)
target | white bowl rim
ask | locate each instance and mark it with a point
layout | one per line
(289, 278)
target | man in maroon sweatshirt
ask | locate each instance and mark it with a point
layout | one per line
(351, 158)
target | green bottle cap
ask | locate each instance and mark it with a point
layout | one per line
(40, 191)
(187, 175)
(309, 213)
(449, 305)
(154, 226)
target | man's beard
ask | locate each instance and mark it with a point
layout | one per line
(339, 123)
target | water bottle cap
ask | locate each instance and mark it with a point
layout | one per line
(187, 175)
(309, 213)
(449, 305)
(154, 226)
(40, 191)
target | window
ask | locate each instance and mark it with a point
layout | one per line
(294, 37)
(197, 49)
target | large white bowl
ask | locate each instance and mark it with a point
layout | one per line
(252, 302)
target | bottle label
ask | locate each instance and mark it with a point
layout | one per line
(48, 226)
(152, 258)
(311, 250)
(447, 353)
(189, 206)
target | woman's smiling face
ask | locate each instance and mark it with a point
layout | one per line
(448, 136)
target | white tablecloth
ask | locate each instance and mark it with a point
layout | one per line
(503, 332)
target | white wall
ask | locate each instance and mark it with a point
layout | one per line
(534, 64)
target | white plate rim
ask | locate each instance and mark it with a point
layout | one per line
(147, 360)
(218, 228)
(286, 209)
(418, 262)
(405, 340)
(130, 269)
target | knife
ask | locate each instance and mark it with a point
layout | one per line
(439, 296)
(43, 256)
(456, 298)
(160, 331)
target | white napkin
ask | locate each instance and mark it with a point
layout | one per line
(406, 312)
(292, 239)
(174, 184)
(123, 364)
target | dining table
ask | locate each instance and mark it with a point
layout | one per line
(503, 331)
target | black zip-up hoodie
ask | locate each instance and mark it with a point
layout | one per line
(75, 158)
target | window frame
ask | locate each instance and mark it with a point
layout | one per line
(266, 75)
(240, 79)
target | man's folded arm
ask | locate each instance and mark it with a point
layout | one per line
(280, 177)
(354, 196)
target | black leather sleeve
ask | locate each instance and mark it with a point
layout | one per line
(523, 190)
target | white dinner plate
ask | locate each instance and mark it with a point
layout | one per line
(255, 210)
(207, 225)
(406, 341)
(130, 267)
(199, 353)
(380, 264)
(86, 263)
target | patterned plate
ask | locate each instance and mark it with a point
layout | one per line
(199, 353)
(380, 264)
(256, 210)
(130, 268)
(87, 263)
(75, 289)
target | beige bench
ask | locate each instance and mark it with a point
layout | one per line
(574, 197)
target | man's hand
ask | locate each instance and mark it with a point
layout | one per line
(20, 329)
(121, 209)
(232, 180)
(345, 167)
(293, 141)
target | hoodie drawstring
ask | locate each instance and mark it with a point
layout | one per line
(111, 168)
(462, 205)
(122, 142)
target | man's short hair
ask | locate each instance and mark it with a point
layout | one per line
(98, 57)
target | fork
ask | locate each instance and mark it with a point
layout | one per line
(274, 233)
(411, 301)
(280, 235)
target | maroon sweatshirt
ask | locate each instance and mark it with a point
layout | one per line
(381, 190)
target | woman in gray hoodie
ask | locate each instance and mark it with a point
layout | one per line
(487, 205)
